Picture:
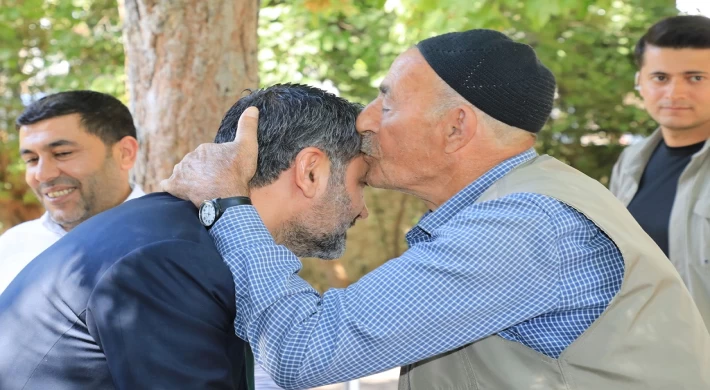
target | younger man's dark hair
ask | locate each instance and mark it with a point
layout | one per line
(677, 32)
(293, 117)
(101, 115)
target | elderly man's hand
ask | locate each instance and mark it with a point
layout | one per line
(218, 170)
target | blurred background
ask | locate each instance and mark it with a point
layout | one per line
(156, 55)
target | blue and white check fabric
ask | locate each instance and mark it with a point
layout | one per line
(525, 267)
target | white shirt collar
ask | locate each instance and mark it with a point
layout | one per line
(55, 228)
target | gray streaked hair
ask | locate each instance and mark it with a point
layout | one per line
(293, 117)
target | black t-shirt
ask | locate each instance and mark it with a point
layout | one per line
(652, 204)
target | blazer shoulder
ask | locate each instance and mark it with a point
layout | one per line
(182, 268)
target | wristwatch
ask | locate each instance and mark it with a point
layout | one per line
(211, 210)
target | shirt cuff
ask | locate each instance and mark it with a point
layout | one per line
(240, 227)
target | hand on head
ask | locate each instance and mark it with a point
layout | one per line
(218, 170)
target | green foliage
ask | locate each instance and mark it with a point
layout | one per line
(51, 45)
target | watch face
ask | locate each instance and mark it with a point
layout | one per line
(207, 213)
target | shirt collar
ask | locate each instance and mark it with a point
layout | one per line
(469, 194)
(136, 193)
(55, 228)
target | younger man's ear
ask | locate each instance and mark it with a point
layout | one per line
(312, 171)
(126, 152)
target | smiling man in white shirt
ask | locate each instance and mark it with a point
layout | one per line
(78, 148)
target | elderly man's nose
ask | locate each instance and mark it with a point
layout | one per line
(364, 213)
(368, 119)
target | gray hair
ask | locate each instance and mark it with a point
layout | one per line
(505, 134)
(293, 117)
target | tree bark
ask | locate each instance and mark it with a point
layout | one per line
(187, 62)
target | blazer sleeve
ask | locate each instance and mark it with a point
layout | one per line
(162, 318)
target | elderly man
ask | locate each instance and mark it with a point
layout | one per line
(78, 148)
(524, 274)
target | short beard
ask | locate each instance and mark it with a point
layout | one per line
(307, 243)
(305, 236)
(82, 212)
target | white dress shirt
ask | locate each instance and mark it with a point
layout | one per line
(22, 243)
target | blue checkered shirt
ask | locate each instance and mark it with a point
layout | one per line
(525, 267)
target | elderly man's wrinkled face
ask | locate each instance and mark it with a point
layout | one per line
(321, 231)
(398, 128)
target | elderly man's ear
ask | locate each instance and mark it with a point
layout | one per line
(460, 125)
(311, 171)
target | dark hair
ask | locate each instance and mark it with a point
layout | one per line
(676, 32)
(101, 115)
(293, 117)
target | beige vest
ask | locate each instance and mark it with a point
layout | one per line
(651, 336)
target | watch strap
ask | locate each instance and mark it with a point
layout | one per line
(225, 203)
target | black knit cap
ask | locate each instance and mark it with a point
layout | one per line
(501, 77)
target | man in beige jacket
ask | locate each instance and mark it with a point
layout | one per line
(665, 180)
(526, 274)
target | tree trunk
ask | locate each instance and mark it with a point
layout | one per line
(187, 62)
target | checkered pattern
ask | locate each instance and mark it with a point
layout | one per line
(525, 267)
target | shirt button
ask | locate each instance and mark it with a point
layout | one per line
(706, 261)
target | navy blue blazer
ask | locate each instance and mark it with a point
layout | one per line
(136, 297)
